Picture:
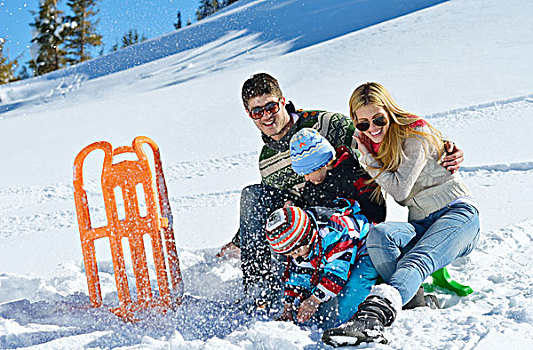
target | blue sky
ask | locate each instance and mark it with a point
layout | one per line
(150, 17)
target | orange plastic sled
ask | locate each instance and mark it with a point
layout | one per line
(157, 223)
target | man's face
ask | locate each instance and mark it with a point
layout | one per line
(272, 125)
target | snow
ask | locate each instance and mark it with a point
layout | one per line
(465, 65)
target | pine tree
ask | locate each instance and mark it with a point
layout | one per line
(177, 25)
(82, 35)
(229, 2)
(24, 74)
(207, 8)
(48, 37)
(7, 67)
(132, 37)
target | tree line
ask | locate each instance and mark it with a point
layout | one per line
(60, 39)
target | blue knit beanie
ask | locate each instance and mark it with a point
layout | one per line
(310, 151)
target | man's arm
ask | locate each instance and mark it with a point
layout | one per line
(454, 157)
(344, 132)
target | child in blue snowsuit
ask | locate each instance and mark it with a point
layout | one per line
(327, 259)
(331, 175)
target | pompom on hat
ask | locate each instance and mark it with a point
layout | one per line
(289, 228)
(310, 151)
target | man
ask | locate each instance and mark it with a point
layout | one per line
(278, 121)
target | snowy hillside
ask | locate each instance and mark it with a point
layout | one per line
(464, 64)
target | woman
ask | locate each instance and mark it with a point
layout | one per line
(402, 154)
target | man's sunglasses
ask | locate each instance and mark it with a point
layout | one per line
(258, 112)
(378, 121)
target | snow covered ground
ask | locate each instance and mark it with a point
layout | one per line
(465, 64)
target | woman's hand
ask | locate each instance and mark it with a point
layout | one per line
(363, 143)
(287, 313)
(308, 308)
(455, 156)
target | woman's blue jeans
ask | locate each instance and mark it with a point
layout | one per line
(405, 254)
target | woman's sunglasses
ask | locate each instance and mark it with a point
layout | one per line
(258, 112)
(378, 121)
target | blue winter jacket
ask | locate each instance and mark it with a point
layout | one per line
(341, 243)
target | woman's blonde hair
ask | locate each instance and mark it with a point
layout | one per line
(390, 151)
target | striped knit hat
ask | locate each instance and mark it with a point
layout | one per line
(310, 151)
(289, 228)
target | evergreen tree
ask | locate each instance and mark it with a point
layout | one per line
(207, 8)
(48, 37)
(23, 73)
(7, 67)
(177, 25)
(132, 37)
(82, 35)
(189, 22)
(229, 2)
